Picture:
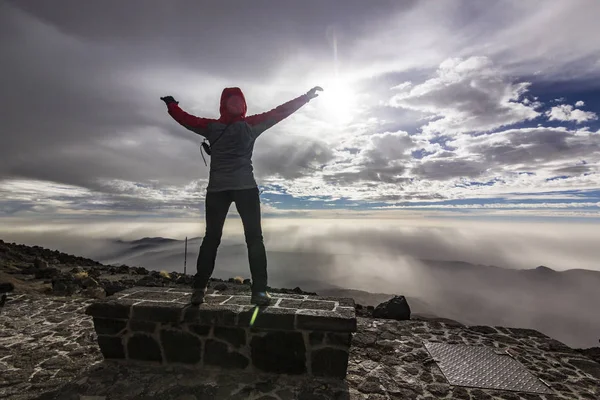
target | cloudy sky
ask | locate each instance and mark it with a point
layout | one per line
(462, 108)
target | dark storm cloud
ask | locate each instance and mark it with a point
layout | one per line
(389, 174)
(290, 157)
(533, 146)
(81, 80)
(381, 158)
(75, 90)
(575, 170)
(449, 169)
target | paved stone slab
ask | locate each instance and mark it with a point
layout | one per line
(287, 312)
(227, 331)
(387, 360)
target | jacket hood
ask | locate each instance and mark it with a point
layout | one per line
(233, 105)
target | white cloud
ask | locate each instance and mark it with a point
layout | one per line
(580, 103)
(402, 86)
(566, 112)
(468, 95)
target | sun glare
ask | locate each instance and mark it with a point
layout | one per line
(338, 101)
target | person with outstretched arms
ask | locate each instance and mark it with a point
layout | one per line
(231, 141)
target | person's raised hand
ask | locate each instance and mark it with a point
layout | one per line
(312, 93)
(168, 100)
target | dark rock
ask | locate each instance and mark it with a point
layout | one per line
(316, 338)
(123, 269)
(94, 293)
(486, 330)
(64, 285)
(396, 308)
(200, 330)
(309, 394)
(113, 287)
(591, 367)
(371, 384)
(77, 270)
(110, 309)
(478, 394)
(285, 394)
(510, 396)
(326, 321)
(48, 273)
(328, 362)
(138, 271)
(144, 348)
(39, 263)
(142, 326)
(216, 353)
(592, 352)
(405, 393)
(6, 287)
(460, 393)
(95, 273)
(438, 389)
(88, 282)
(181, 347)
(530, 396)
(150, 281)
(111, 347)
(290, 303)
(158, 312)
(247, 281)
(426, 377)
(364, 339)
(234, 336)
(28, 270)
(279, 352)
(211, 315)
(104, 326)
(317, 305)
(523, 333)
(220, 286)
(339, 339)
(264, 387)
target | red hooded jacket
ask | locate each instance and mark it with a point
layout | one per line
(231, 159)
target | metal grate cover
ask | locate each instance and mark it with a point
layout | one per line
(481, 367)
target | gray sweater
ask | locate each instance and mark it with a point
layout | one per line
(232, 137)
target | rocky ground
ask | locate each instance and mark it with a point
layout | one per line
(48, 347)
(38, 270)
(48, 351)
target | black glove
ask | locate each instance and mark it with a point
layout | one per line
(168, 100)
(312, 93)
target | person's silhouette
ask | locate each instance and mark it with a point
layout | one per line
(231, 139)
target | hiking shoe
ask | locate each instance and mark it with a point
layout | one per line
(261, 299)
(198, 296)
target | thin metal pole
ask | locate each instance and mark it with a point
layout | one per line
(185, 257)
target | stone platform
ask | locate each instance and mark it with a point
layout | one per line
(298, 334)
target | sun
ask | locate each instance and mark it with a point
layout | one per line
(338, 101)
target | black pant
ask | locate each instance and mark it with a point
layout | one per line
(247, 202)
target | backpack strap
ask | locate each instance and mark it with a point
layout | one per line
(208, 147)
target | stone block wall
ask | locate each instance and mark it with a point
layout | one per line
(299, 334)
